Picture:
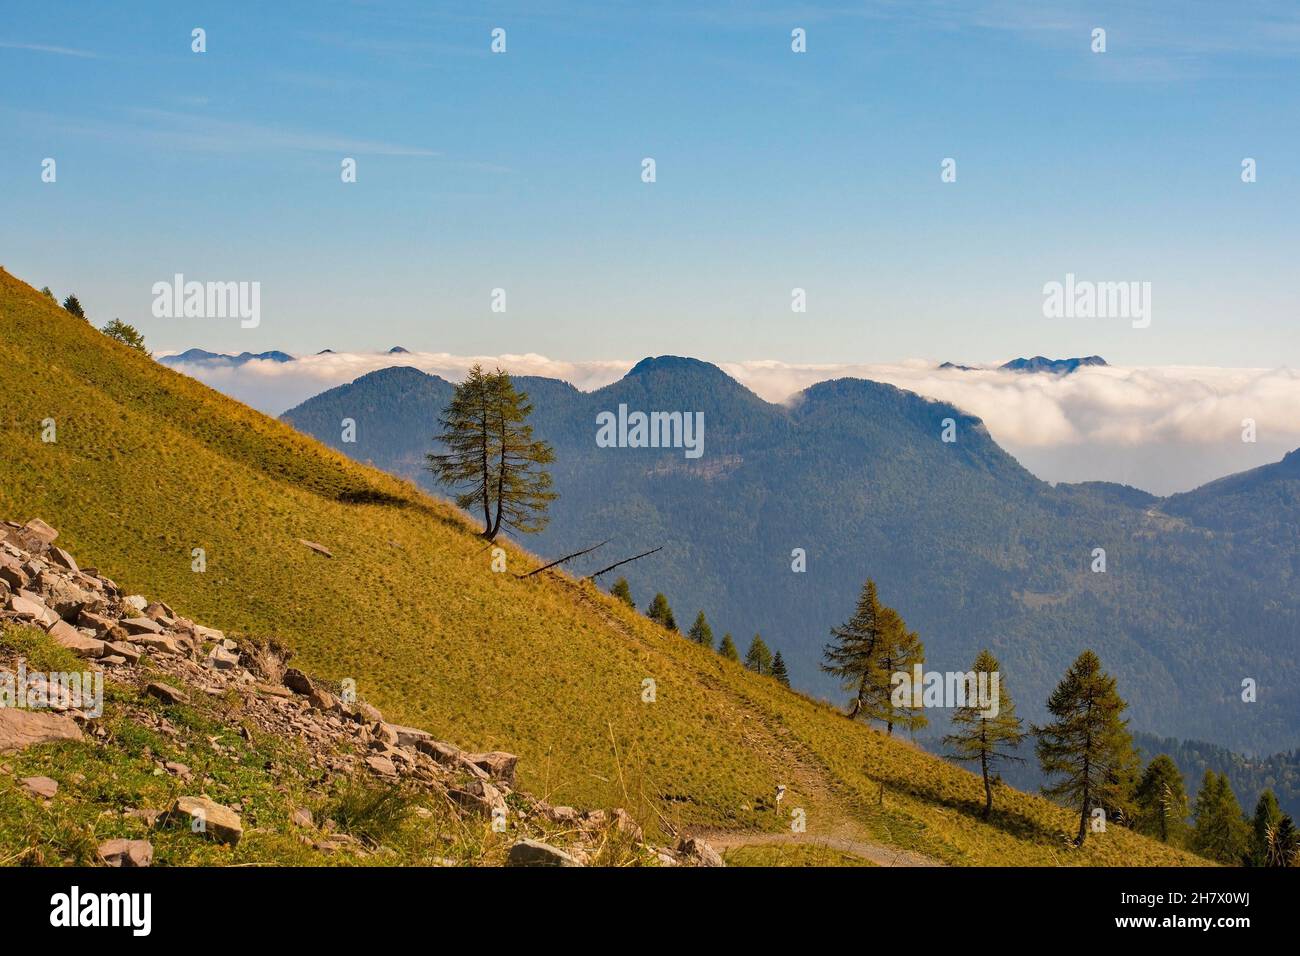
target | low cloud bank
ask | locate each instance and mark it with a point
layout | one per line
(1165, 428)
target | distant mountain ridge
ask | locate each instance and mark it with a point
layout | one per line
(1038, 363)
(1199, 590)
(191, 356)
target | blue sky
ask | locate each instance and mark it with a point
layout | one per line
(775, 170)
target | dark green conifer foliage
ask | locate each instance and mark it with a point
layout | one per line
(1267, 816)
(779, 670)
(661, 612)
(1283, 844)
(623, 592)
(1088, 745)
(73, 305)
(126, 334)
(896, 651)
(728, 648)
(1220, 832)
(490, 452)
(758, 658)
(850, 655)
(979, 734)
(1160, 802)
(700, 631)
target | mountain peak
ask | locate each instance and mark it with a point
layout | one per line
(673, 363)
(1040, 363)
(398, 350)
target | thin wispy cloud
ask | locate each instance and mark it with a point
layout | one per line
(207, 133)
(193, 132)
(44, 48)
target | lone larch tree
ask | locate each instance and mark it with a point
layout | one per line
(491, 455)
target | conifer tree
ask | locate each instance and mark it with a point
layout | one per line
(983, 735)
(1161, 801)
(700, 631)
(128, 335)
(623, 592)
(779, 670)
(1088, 745)
(758, 658)
(1283, 846)
(1268, 814)
(661, 612)
(728, 648)
(73, 305)
(850, 655)
(491, 453)
(896, 651)
(45, 291)
(1220, 832)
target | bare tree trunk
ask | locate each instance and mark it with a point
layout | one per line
(988, 790)
(501, 480)
(1083, 811)
(487, 480)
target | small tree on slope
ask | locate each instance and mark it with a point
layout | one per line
(758, 658)
(73, 305)
(661, 612)
(1161, 801)
(982, 735)
(623, 592)
(896, 651)
(779, 671)
(1220, 831)
(700, 631)
(851, 654)
(128, 335)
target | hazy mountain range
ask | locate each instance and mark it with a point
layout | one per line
(1039, 363)
(1164, 429)
(1198, 594)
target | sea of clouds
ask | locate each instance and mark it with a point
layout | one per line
(1163, 428)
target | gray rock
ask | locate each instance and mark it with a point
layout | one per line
(381, 765)
(481, 796)
(208, 818)
(65, 635)
(698, 853)
(222, 659)
(410, 736)
(498, 764)
(23, 728)
(537, 853)
(297, 681)
(126, 853)
(62, 558)
(40, 786)
(166, 693)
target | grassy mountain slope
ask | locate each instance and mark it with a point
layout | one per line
(149, 465)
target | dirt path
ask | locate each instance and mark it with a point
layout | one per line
(877, 853)
(831, 822)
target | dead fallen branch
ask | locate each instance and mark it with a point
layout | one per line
(637, 557)
(567, 557)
